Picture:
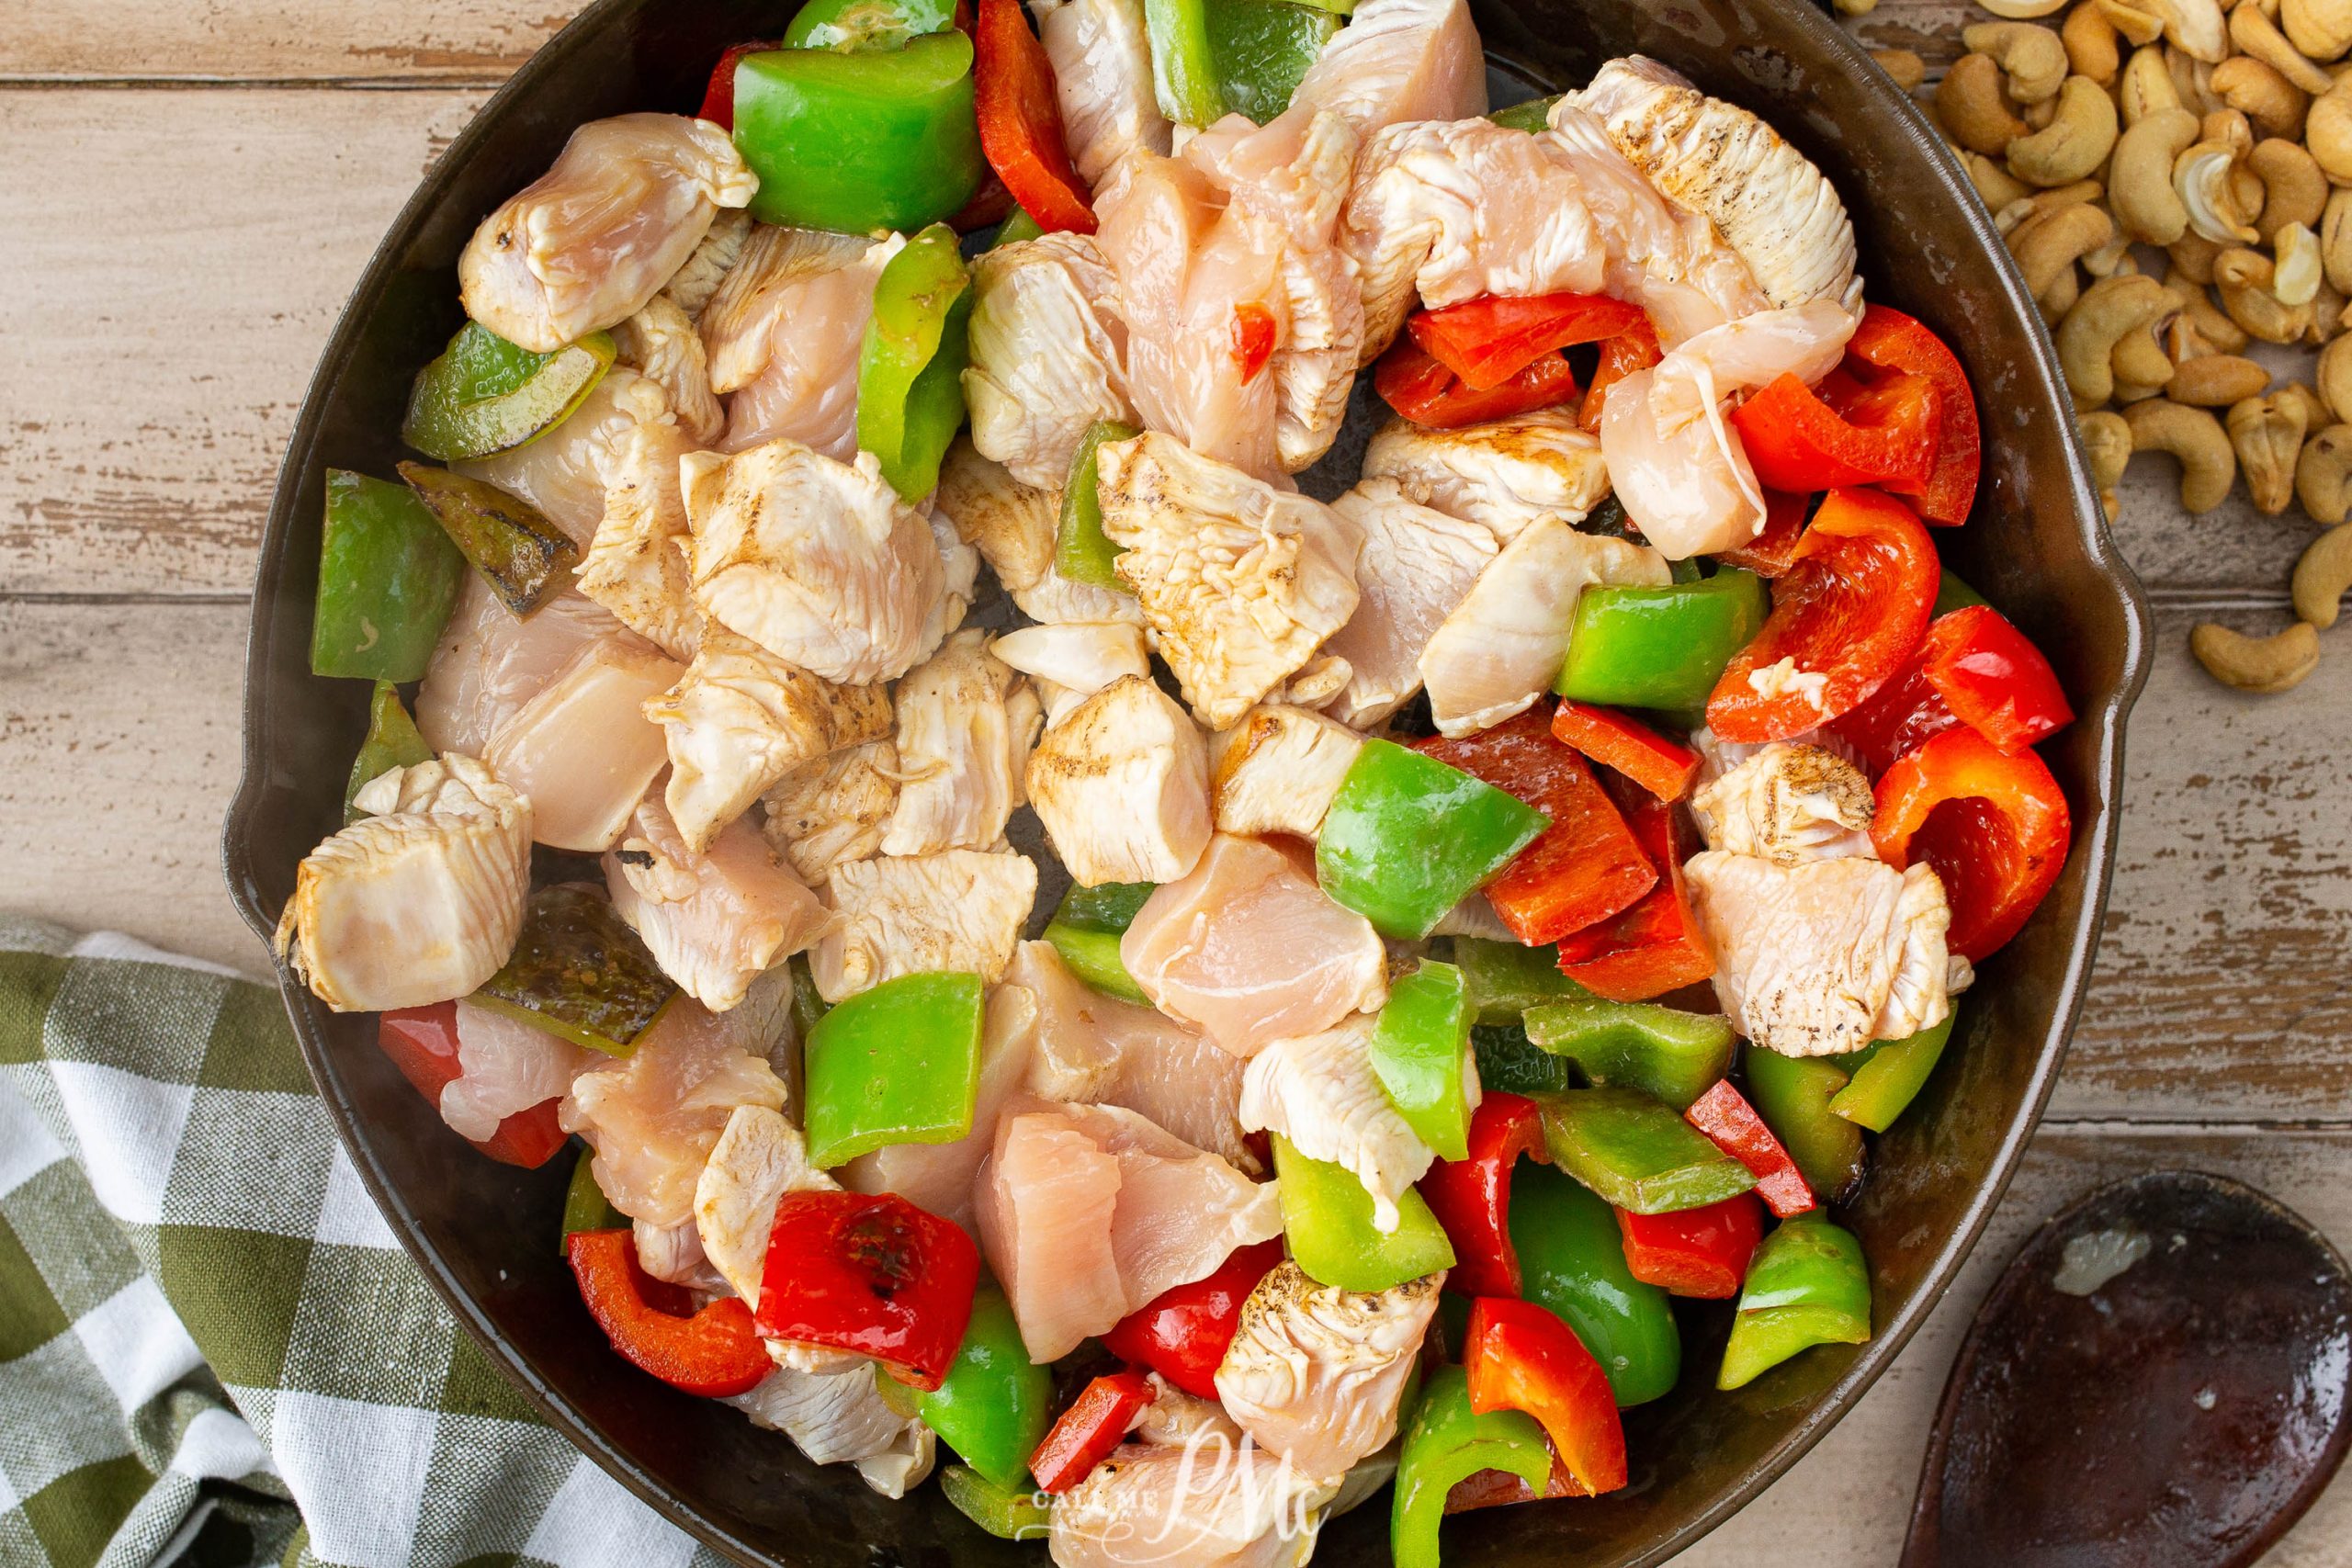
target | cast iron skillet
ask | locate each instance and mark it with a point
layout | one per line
(2037, 546)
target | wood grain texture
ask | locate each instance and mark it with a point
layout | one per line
(273, 40)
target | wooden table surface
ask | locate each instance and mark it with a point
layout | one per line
(189, 189)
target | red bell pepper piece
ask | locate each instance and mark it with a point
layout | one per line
(1471, 1197)
(1653, 947)
(1701, 1253)
(1585, 867)
(1973, 667)
(422, 1043)
(1633, 747)
(1851, 609)
(1087, 1431)
(714, 1352)
(719, 98)
(1893, 341)
(1633, 349)
(1411, 381)
(1020, 122)
(1521, 1355)
(870, 1273)
(1799, 440)
(1994, 824)
(1773, 550)
(1253, 337)
(1182, 1333)
(1731, 1124)
(1488, 340)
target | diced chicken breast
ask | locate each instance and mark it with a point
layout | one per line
(760, 1156)
(1504, 643)
(1248, 949)
(739, 718)
(1319, 1091)
(566, 472)
(1048, 346)
(1398, 61)
(959, 753)
(585, 246)
(840, 1417)
(1239, 583)
(784, 333)
(1418, 565)
(940, 1177)
(674, 1253)
(715, 920)
(1277, 770)
(1503, 475)
(1088, 1212)
(1788, 803)
(1122, 786)
(583, 748)
(636, 565)
(1054, 601)
(961, 910)
(417, 902)
(1150, 1505)
(490, 662)
(832, 810)
(1010, 524)
(1315, 1373)
(660, 342)
(692, 284)
(1078, 659)
(1101, 60)
(816, 561)
(507, 1066)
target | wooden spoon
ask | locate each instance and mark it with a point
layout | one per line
(2159, 1381)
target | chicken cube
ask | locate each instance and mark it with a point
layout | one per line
(1504, 474)
(1315, 1373)
(1054, 601)
(660, 342)
(1101, 53)
(833, 809)
(1789, 804)
(1319, 1091)
(567, 471)
(1081, 657)
(784, 333)
(1418, 565)
(961, 910)
(636, 564)
(839, 1416)
(1012, 525)
(715, 920)
(584, 749)
(961, 741)
(1277, 770)
(488, 662)
(1048, 350)
(759, 1158)
(1122, 786)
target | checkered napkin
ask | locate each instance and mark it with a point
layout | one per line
(212, 1349)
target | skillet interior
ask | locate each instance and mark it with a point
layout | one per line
(2038, 547)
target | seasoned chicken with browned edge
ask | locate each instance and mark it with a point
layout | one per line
(1315, 1373)
(1048, 353)
(1121, 783)
(1010, 524)
(1502, 475)
(1319, 1091)
(660, 342)
(1418, 565)
(833, 809)
(636, 564)
(963, 734)
(962, 910)
(1277, 770)
(1789, 804)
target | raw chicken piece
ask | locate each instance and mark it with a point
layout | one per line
(506, 1065)
(1054, 601)
(1239, 583)
(1088, 1212)
(1221, 1505)
(489, 663)
(759, 1157)
(1048, 353)
(1397, 60)
(636, 565)
(833, 809)
(693, 283)
(840, 1418)
(783, 332)
(816, 561)
(585, 246)
(417, 902)
(717, 920)
(959, 752)
(961, 910)
(1318, 680)
(1319, 1091)
(1789, 804)
(959, 575)
(1122, 786)
(1314, 1372)
(1012, 525)
(660, 342)
(1277, 770)
(1418, 565)
(1081, 656)
(674, 1253)
(1102, 61)
(1248, 948)
(1822, 958)
(565, 472)
(939, 1178)
(739, 718)
(1503, 475)
(584, 749)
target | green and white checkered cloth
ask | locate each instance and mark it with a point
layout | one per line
(212, 1349)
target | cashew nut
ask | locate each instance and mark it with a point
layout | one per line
(2202, 316)
(1971, 107)
(2194, 27)
(2145, 86)
(2048, 247)
(2061, 298)
(2294, 188)
(2238, 268)
(2201, 177)
(2139, 359)
(1903, 65)
(2315, 414)
(2098, 321)
(2324, 474)
(2139, 181)
(2264, 314)
(2254, 33)
(2141, 25)
(2256, 664)
(2216, 380)
(2327, 316)
(2018, 214)
(2091, 47)
(2194, 436)
(2031, 57)
(2297, 278)
(2107, 442)
(2076, 140)
(2275, 104)
(2023, 10)
(2319, 28)
(2037, 114)
(2322, 575)
(2335, 240)
(2192, 257)
(2193, 80)
(2267, 436)
(2327, 131)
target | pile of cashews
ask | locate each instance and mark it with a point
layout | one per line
(2175, 180)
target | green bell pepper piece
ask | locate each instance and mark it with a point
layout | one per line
(995, 1404)
(1807, 1285)
(1952, 595)
(1419, 1048)
(585, 1207)
(388, 576)
(1664, 1052)
(1536, 114)
(1507, 1064)
(1017, 228)
(1505, 979)
(485, 394)
(1572, 1261)
(1660, 647)
(1448, 1442)
(1260, 50)
(879, 139)
(1003, 1512)
(519, 553)
(910, 374)
(392, 742)
(807, 1006)
(577, 970)
(1792, 1095)
(899, 1063)
(1888, 1077)
(1086, 929)
(1327, 1218)
(1638, 1153)
(1407, 837)
(851, 25)
(1183, 71)
(1105, 907)
(1081, 551)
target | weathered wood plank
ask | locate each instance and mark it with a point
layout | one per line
(273, 39)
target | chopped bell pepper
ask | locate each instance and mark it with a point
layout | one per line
(995, 1403)
(1017, 227)
(1081, 551)
(1182, 1333)
(879, 138)
(1534, 115)
(1260, 50)
(1420, 1050)
(485, 395)
(1800, 440)
(392, 742)
(1995, 826)
(579, 971)
(1409, 837)
(1006, 1513)
(585, 1207)
(1585, 866)
(1891, 340)
(1572, 1261)
(1633, 747)
(1773, 550)
(1889, 1075)
(1471, 1195)
(1252, 334)
(1508, 1063)
(1636, 1153)
(1659, 647)
(714, 1352)
(1021, 123)
(1183, 70)
(1486, 341)
(388, 576)
(1700, 1253)
(1416, 384)
(1520, 1356)
(870, 1273)
(718, 97)
(518, 552)
(1851, 609)
(422, 1043)
(1086, 929)
(1808, 1286)
(1447, 1442)
(1655, 946)
(1664, 1052)
(854, 26)
(1792, 1095)
(1724, 1115)
(899, 1063)
(1327, 1218)
(1973, 668)
(1085, 1434)
(1503, 979)
(910, 373)
(1636, 349)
